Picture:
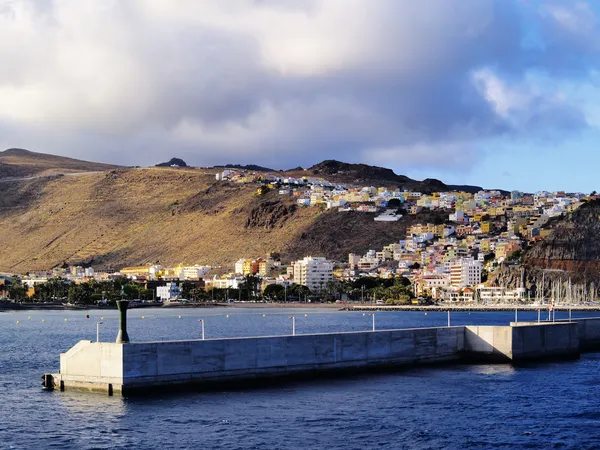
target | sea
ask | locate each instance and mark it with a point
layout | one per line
(543, 405)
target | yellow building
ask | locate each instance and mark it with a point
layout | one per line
(265, 266)
(505, 249)
(485, 227)
(250, 267)
(485, 245)
(136, 270)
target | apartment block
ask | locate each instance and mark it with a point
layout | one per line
(313, 272)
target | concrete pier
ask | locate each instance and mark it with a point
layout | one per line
(123, 368)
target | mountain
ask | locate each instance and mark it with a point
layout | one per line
(129, 216)
(173, 162)
(134, 216)
(251, 167)
(363, 174)
(16, 162)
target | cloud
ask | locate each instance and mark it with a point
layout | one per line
(286, 83)
(527, 106)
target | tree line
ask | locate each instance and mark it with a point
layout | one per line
(396, 290)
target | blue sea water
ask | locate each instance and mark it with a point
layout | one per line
(545, 405)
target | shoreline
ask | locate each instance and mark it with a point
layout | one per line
(471, 308)
(348, 307)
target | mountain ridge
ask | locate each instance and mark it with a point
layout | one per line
(18, 162)
(129, 216)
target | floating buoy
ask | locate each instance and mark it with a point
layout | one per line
(87, 316)
(43, 320)
(65, 320)
(305, 315)
(180, 317)
(143, 317)
(28, 317)
(425, 313)
(264, 315)
(101, 318)
(363, 314)
(18, 322)
(227, 316)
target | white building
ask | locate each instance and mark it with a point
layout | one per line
(313, 272)
(239, 266)
(193, 272)
(389, 215)
(465, 272)
(226, 282)
(353, 259)
(500, 295)
(167, 292)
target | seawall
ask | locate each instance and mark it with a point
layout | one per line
(123, 368)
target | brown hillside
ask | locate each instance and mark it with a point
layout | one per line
(16, 162)
(134, 216)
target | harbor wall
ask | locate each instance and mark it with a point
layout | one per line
(488, 343)
(551, 340)
(130, 367)
(230, 359)
(588, 330)
(92, 366)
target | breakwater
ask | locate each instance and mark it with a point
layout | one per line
(123, 368)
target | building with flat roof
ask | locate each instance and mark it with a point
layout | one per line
(313, 272)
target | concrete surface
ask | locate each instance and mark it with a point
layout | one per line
(130, 367)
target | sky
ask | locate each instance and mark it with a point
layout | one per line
(496, 93)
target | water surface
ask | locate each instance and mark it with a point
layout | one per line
(550, 405)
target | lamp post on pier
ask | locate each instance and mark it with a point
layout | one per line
(202, 324)
(98, 331)
(373, 316)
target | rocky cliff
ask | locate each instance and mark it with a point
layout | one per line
(567, 260)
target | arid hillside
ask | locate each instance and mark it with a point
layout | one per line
(134, 216)
(16, 162)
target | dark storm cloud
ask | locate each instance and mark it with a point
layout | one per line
(284, 83)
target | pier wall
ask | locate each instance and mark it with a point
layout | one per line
(93, 366)
(530, 342)
(223, 359)
(488, 343)
(122, 368)
(588, 330)
(589, 333)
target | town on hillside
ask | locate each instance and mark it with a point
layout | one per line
(449, 260)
